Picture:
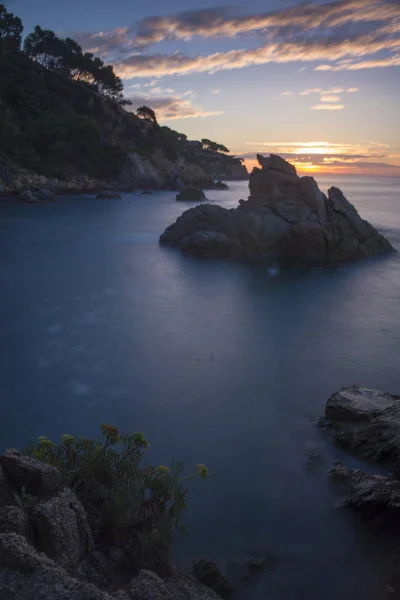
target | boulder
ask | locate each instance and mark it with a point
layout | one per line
(191, 194)
(35, 477)
(286, 217)
(208, 573)
(367, 422)
(45, 195)
(108, 196)
(373, 496)
(186, 587)
(27, 196)
(61, 529)
(210, 244)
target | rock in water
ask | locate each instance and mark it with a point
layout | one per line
(286, 216)
(367, 422)
(191, 194)
(208, 573)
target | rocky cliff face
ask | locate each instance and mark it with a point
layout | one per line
(49, 548)
(156, 172)
(286, 216)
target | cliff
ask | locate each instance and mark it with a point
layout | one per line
(62, 133)
(285, 217)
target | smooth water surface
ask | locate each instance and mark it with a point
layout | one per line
(229, 364)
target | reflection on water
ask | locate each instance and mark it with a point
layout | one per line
(228, 364)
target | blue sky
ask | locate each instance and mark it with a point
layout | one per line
(318, 82)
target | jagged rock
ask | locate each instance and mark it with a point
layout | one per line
(373, 496)
(276, 163)
(220, 185)
(285, 217)
(191, 194)
(208, 573)
(366, 422)
(148, 586)
(62, 529)
(35, 477)
(108, 196)
(13, 520)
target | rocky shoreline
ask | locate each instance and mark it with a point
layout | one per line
(138, 173)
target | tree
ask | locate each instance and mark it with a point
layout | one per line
(11, 29)
(213, 146)
(147, 113)
(43, 46)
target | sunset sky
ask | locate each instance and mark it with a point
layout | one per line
(316, 82)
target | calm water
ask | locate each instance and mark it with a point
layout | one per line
(222, 363)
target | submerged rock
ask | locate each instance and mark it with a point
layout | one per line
(220, 185)
(285, 216)
(191, 194)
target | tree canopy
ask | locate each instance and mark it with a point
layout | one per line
(145, 112)
(11, 29)
(66, 56)
(213, 146)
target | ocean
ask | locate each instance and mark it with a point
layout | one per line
(223, 363)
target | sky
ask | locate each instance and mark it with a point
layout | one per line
(316, 82)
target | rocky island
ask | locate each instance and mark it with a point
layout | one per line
(285, 216)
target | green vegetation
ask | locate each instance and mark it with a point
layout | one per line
(132, 500)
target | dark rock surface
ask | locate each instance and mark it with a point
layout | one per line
(191, 194)
(286, 216)
(208, 573)
(366, 422)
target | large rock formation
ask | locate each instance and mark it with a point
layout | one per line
(50, 547)
(285, 216)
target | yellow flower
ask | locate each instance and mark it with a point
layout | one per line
(140, 440)
(44, 442)
(67, 439)
(163, 470)
(111, 432)
(202, 471)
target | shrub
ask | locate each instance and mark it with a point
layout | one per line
(139, 506)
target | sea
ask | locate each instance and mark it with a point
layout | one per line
(228, 364)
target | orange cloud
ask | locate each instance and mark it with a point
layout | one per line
(328, 98)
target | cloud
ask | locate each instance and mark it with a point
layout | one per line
(221, 22)
(168, 105)
(216, 91)
(327, 107)
(342, 34)
(328, 98)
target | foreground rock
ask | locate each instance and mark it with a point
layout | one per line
(366, 422)
(191, 194)
(50, 547)
(286, 217)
